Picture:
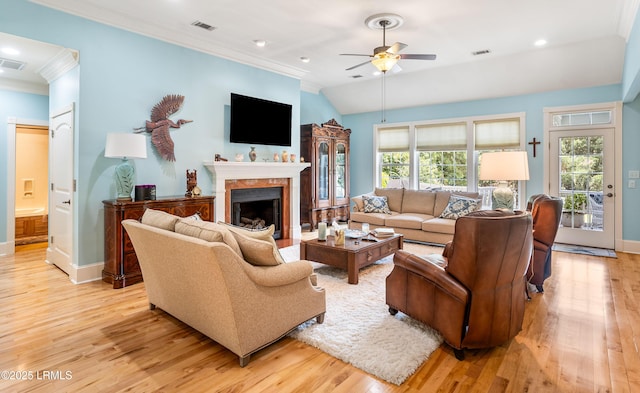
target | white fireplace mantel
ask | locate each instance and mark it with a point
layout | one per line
(228, 170)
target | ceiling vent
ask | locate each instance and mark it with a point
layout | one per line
(12, 64)
(203, 25)
(481, 52)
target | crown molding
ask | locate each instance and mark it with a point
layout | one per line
(59, 65)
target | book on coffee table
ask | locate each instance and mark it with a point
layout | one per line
(383, 232)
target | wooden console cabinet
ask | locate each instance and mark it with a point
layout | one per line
(324, 187)
(120, 261)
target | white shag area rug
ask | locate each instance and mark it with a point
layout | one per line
(358, 328)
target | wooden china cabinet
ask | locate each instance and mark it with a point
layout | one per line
(324, 186)
(120, 261)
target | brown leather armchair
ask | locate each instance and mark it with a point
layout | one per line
(546, 212)
(475, 294)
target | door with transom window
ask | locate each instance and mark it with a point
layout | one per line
(582, 173)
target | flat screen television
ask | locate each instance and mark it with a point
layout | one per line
(260, 122)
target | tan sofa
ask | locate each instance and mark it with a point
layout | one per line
(211, 288)
(413, 213)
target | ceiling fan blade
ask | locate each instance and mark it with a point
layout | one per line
(358, 65)
(418, 57)
(395, 48)
(354, 54)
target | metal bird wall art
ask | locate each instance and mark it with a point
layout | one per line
(160, 124)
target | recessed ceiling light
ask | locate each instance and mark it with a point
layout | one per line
(540, 42)
(305, 59)
(1, 71)
(10, 51)
(260, 43)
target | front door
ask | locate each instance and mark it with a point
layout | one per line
(61, 199)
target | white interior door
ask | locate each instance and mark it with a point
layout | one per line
(581, 169)
(62, 189)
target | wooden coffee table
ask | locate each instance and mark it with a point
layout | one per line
(350, 256)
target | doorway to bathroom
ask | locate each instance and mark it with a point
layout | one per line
(31, 188)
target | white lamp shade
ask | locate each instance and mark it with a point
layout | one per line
(121, 145)
(504, 165)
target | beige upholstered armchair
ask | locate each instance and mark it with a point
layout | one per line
(208, 286)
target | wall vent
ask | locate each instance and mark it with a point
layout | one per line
(481, 52)
(12, 64)
(203, 25)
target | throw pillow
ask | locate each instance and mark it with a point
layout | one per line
(258, 252)
(260, 234)
(358, 203)
(459, 206)
(159, 219)
(375, 204)
(209, 231)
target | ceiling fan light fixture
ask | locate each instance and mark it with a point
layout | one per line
(385, 61)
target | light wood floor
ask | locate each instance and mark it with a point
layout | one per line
(581, 335)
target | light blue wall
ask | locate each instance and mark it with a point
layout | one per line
(122, 76)
(316, 108)
(631, 161)
(533, 104)
(22, 106)
(631, 72)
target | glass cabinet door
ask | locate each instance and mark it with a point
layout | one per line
(323, 171)
(340, 170)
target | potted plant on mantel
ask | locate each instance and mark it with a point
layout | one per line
(574, 205)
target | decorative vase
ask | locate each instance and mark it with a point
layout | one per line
(253, 154)
(285, 156)
(276, 158)
(292, 157)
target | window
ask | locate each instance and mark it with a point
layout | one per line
(442, 159)
(393, 156)
(445, 154)
(491, 136)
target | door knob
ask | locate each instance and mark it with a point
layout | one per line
(67, 202)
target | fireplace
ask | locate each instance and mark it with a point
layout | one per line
(257, 208)
(229, 176)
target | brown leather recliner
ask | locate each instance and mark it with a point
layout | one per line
(546, 212)
(475, 294)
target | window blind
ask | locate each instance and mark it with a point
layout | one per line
(393, 139)
(441, 137)
(497, 134)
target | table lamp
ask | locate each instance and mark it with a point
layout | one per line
(125, 146)
(503, 166)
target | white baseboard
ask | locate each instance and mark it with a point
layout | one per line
(631, 246)
(83, 274)
(7, 248)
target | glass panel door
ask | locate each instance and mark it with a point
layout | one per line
(340, 168)
(581, 173)
(323, 171)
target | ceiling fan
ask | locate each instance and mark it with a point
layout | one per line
(385, 57)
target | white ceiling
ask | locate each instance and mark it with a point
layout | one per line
(586, 42)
